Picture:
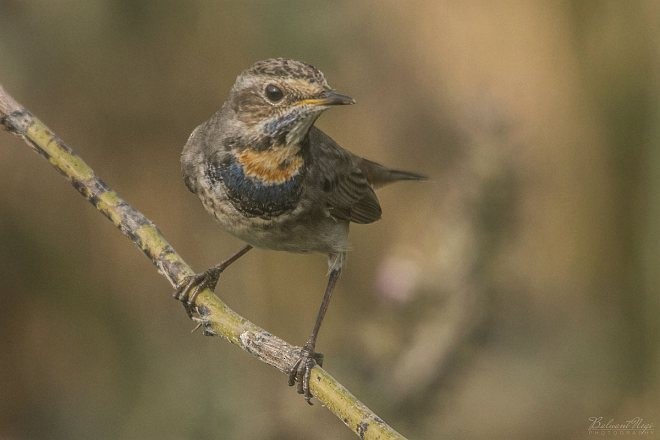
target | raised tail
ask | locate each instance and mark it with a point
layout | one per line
(379, 175)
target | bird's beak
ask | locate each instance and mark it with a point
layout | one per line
(327, 98)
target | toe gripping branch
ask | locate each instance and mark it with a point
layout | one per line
(188, 290)
(301, 371)
(191, 286)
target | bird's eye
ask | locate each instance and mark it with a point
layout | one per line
(274, 93)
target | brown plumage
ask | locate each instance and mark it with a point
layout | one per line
(274, 180)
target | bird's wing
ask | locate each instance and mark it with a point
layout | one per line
(343, 185)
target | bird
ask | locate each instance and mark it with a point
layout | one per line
(274, 180)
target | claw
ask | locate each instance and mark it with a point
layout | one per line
(302, 371)
(191, 286)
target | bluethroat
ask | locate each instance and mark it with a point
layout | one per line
(274, 180)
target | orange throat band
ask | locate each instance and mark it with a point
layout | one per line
(273, 166)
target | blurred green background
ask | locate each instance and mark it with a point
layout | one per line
(513, 296)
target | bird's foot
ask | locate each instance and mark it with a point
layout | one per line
(191, 286)
(302, 370)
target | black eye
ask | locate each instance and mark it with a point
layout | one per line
(274, 93)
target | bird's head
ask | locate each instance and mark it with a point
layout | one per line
(280, 99)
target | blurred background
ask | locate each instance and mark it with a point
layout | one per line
(515, 295)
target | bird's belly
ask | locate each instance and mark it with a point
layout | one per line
(300, 240)
(301, 229)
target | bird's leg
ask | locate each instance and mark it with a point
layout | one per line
(302, 369)
(191, 286)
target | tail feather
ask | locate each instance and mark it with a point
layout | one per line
(379, 175)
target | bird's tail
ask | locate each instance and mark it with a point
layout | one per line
(379, 175)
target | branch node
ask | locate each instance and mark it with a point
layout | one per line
(17, 122)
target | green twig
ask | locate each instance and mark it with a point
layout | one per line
(216, 317)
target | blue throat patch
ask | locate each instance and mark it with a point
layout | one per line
(252, 196)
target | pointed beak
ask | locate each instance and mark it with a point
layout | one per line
(328, 98)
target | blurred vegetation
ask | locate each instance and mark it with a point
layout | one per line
(513, 296)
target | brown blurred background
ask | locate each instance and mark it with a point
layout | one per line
(513, 296)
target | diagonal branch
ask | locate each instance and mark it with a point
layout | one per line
(215, 316)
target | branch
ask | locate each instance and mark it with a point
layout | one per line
(216, 317)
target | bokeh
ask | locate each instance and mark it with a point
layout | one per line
(514, 295)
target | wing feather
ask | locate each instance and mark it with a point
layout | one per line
(345, 189)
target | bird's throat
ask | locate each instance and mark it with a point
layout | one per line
(299, 131)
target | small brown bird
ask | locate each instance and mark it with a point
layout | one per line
(274, 180)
